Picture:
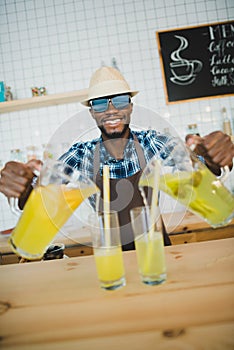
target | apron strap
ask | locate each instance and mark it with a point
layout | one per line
(96, 161)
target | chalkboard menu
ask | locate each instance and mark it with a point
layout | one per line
(197, 62)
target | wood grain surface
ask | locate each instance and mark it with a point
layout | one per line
(59, 304)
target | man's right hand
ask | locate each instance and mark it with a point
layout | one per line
(16, 177)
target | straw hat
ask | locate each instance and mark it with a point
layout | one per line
(107, 81)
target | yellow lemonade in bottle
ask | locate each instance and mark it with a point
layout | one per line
(109, 264)
(201, 192)
(46, 211)
(151, 257)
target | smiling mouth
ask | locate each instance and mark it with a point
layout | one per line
(112, 122)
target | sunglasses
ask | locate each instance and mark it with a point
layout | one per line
(101, 104)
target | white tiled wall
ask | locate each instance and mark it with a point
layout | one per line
(59, 43)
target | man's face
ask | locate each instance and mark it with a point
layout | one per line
(114, 121)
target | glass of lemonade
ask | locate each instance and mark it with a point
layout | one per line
(107, 250)
(57, 194)
(148, 237)
(186, 178)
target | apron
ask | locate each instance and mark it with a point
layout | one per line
(124, 195)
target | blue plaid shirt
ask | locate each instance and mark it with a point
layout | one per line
(80, 156)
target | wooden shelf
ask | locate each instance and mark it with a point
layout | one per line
(43, 101)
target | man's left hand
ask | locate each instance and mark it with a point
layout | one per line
(216, 148)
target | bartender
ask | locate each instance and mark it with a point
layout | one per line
(125, 151)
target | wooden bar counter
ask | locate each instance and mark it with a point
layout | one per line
(58, 304)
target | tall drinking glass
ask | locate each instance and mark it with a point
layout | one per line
(148, 238)
(58, 192)
(107, 250)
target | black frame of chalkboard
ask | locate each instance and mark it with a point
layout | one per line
(198, 74)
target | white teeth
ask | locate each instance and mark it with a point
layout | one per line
(112, 121)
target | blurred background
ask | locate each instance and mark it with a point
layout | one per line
(57, 44)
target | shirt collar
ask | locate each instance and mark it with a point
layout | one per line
(107, 157)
